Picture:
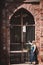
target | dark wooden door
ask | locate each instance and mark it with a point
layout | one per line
(22, 30)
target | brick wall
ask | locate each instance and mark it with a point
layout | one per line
(36, 11)
(41, 30)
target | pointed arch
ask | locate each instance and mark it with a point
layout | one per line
(22, 7)
(23, 11)
(21, 30)
(23, 17)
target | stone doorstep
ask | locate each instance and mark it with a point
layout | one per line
(26, 63)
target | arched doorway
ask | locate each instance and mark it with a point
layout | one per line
(22, 30)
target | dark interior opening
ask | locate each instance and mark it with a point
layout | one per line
(22, 30)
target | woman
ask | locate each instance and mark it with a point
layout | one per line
(33, 52)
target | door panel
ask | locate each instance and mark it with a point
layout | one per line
(30, 33)
(15, 36)
(19, 37)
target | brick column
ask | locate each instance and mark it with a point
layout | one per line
(41, 32)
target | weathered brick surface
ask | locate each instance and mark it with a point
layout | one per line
(35, 10)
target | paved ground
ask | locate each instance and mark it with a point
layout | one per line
(27, 64)
(20, 64)
(23, 64)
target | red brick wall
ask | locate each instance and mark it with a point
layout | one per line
(41, 30)
(36, 11)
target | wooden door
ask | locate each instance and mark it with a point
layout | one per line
(22, 30)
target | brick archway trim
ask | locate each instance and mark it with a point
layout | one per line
(28, 7)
